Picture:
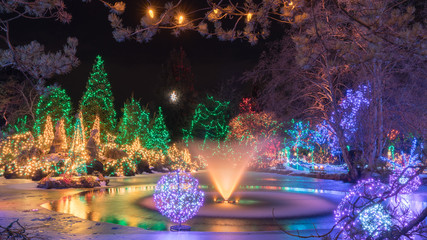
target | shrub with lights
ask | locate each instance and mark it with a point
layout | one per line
(178, 197)
(372, 209)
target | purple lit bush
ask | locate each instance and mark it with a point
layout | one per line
(178, 197)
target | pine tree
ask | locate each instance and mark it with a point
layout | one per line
(133, 124)
(60, 138)
(98, 100)
(97, 127)
(45, 140)
(159, 135)
(209, 121)
(78, 155)
(57, 104)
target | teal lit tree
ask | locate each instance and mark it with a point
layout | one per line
(57, 104)
(158, 135)
(98, 100)
(210, 121)
(133, 124)
(300, 137)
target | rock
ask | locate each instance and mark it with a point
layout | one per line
(26, 155)
(115, 153)
(143, 166)
(91, 146)
(38, 175)
(95, 166)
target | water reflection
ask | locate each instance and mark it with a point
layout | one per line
(120, 206)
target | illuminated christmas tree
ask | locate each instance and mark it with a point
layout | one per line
(133, 124)
(209, 121)
(181, 159)
(98, 100)
(45, 140)
(60, 138)
(77, 154)
(96, 126)
(57, 104)
(159, 135)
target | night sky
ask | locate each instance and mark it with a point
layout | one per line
(135, 67)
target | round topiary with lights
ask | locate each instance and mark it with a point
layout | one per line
(178, 197)
(405, 180)
(362, 214)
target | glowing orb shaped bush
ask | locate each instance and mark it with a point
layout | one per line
(375, 219)
(401, 177)
(178, 197)
(361, 215)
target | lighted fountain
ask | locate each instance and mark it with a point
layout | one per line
(226, 165)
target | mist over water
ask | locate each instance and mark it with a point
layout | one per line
(227, 162)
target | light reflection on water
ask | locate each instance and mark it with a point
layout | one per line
(120, 206)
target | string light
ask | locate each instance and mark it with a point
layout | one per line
(358, 211)
(180, 19)
(249, 16)
(399, 180)
(375, 220)
(133, 124)
(98, 100)
(181, 159)
(159, 134)
(57, 104)
(177, 196)
(209, 121)
(151, 13)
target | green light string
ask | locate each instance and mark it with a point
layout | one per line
(56, 103)
(98, 100)
(209, 121)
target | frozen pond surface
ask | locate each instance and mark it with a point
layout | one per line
(122, 205)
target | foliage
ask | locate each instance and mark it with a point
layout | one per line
(375, 210)
(133, 124)
(78, 157)
(158, 135)
(98, 100)
(260, 130)
(57, 104)
(209, 121)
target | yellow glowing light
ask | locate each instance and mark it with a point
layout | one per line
(151, 13)
(249, 16)
(215, 10)
(290, 3)
(180, 19)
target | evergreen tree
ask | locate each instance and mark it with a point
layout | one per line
(98, 100)
(133, 124)
(45, 139)
(159, 135)
(78, 155)
(57, 104)
(178, 90)
(209, 121)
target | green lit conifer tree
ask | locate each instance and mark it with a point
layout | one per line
(57, 104)
(98, 100)
(133, 124)
(209, 121)
(158, 135)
